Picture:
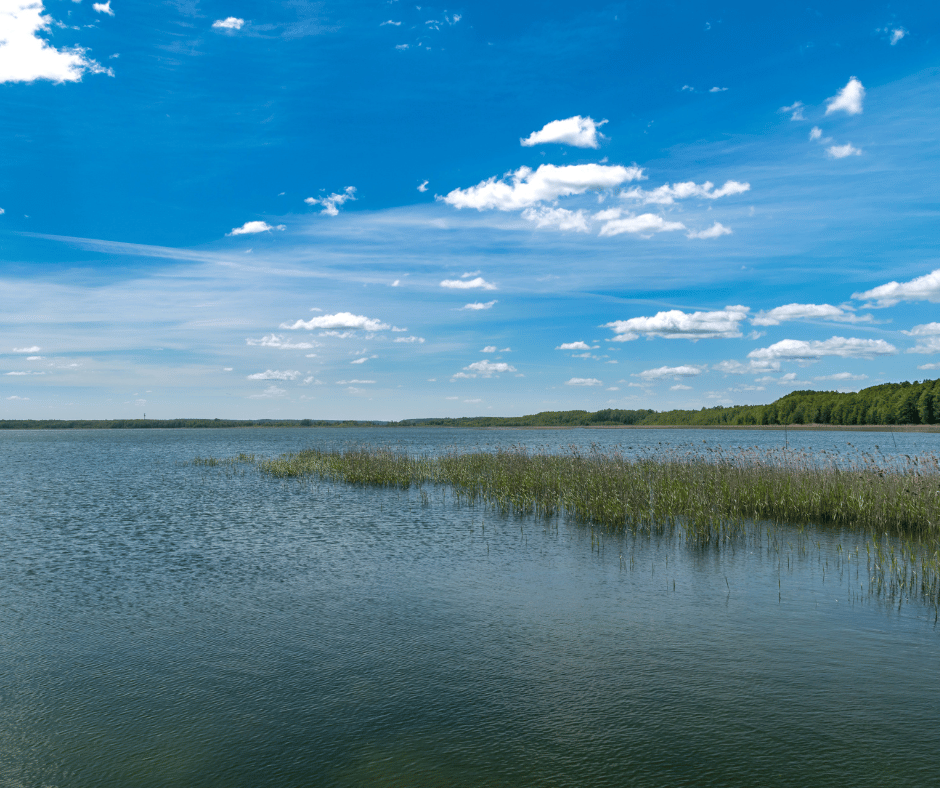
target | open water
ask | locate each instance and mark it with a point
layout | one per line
(163, 624)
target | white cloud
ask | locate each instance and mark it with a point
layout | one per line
(680, 387)
(250, 228)
(229, 23)
(782, 314)
(332, 203)
(584, 382)
(478, 306)
(796, 110)
(923, 288)
(577, 131)
(339, 320)
(897, 34)
(929, 366)
(665, 373)
(104, 8)
(2, 211)
(423, 186)
(924, 330)
(849, 99)
(815, 133)
(24, 399)
(751, 368)
(273, 340)
(271, 392)
(841, 151)
(31, 349)
(852, 347)
(715, 231)
(35, 358)
(717, 90)
(489, 349)
(930, 338)
(842, 376)
(484, 369)
(561, 218)
(362, 360)
(401, 46)
(667, 195)
(390, 22)
(228, 369)
(579, 345)
(645, 224)
(353, 382)
(18, 373)
(410, 340)
(275, 374)
(479, 283)
(675, 324)
(525, 187)
(25, 57)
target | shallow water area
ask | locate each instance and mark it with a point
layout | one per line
(165, 624)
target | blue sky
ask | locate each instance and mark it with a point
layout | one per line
(385, 210)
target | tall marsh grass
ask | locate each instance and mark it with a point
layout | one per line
(707, 498)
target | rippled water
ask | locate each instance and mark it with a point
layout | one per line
(163, 624)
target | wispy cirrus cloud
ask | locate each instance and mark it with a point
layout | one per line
(275, 341)
(560, 218)
(671, 373)
(676, 324)
(576, 131)
(667, 195)
(478, 306)
(275, 374)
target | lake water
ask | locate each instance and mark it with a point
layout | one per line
(163, 624)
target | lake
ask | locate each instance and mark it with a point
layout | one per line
(163, 624)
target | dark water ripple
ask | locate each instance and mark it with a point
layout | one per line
(166, 625)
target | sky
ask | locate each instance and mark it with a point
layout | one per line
(379, 210)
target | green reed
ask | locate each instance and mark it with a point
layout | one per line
(707, 498)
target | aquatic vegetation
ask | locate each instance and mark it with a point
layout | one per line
(707, 498)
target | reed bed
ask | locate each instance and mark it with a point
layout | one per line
(707, 497)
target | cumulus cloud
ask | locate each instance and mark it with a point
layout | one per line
(842, 151)
(717, 90)
(782, 314)
(390, 22)
(680, 387)
(489, 349)
(250, 228)
(25, 57)
(923, 288)
(478, 283)
(339, 320)
(30, 349)
(795, 110)
(273, 340)
(423, 186)
(475, 307)
(561, 218)
(579, 345)
(484, 369)
(676, 324)
(526, 187)
(229, 23)
(751, 368)
(849, 99)
(667, 195)
(410, 340)
(331, 204)
(815, 133)
(842, 376)
(929, 338)
(670, 373)
(577, 131)
(584, 382)
(645, 224)
(104, 8)
(275, 374)
(362, 360)
(715, 231)
(799, 350)
(897, 34)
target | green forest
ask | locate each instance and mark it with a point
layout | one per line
(887, 404)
